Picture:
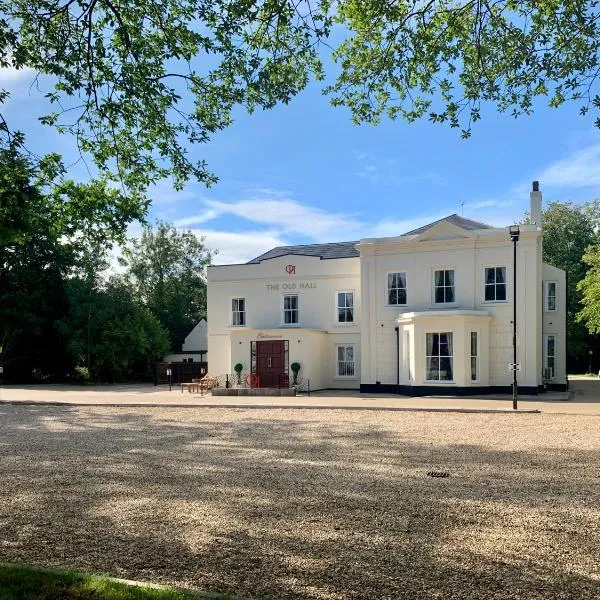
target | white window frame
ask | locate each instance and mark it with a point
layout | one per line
(387, 288)
(337, 362)
(440, 381)
(338, 306)
(476, 356)
(283, 310)
(495, 284)
(546, 296)
(433, 286)
(407, 365)
(238, 312)
(546, 356)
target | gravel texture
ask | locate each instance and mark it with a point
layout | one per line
(307, 504)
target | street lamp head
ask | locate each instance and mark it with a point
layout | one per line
(514, 232)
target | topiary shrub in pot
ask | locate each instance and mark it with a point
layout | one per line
(295, 367)
(238, 368)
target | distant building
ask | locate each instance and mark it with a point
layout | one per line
(426, 312)
(194, 347)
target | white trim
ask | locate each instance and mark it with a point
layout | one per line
(387, 292)
(245, 311)
(335, 361)
(455, 286)
(505, 301)
(336, 316)
(282, 313)
(546, 286)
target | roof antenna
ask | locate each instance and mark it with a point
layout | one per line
(462, 208)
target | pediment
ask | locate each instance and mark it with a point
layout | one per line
(443, 230)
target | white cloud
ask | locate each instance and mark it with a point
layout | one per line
(580, 170)
(10, 75)
(239, 247)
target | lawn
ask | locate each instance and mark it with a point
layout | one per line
(307, 504)
(35, 583)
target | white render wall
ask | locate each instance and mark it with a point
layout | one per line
(313, 341)
(197, 338)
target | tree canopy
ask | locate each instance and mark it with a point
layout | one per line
(138, 81)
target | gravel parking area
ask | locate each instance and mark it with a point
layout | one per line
(307, 504)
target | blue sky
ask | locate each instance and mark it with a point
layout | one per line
(303, 173)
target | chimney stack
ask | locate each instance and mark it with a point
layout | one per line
(535, 209)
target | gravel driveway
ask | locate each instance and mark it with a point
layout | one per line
(307, 504)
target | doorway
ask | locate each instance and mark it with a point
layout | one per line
(270, 363)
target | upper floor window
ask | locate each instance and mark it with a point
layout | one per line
(290, 310)
(495, 284)
(443, 283)
(345, 307)
(238, 312)
(396, 288)
(551, 304)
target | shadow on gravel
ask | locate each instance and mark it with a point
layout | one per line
(329, 506)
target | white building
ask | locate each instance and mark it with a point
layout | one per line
(194, 347)
(429, 311)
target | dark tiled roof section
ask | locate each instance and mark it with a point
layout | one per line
(455, 219)
(322, 251)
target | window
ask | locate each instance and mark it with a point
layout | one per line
(345, 307)
(290, 310)
(396, 288)
(188, 360)
(439, 356)
(238, 312)
(407, 355)
(444, 286)
(495, 284)
(474, 356)
(551, 296)
(345, 361)
(549, 358)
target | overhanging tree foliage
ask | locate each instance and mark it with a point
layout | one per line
(138, 81)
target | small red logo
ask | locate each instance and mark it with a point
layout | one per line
(290, 269)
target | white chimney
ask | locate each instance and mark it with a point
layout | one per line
(535, 209)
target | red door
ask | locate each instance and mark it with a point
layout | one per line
(270, 364)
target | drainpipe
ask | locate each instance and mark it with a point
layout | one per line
(397, 356)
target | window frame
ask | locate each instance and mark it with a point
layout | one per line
(451, 356)
(244, 312)
(434, 270)
(476, 356)
(547, 296)
(284, 309)
(387, 288)
(547, 336)
(337, 361)
(485, 284)
(337, 308)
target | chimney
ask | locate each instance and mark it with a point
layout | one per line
(535, 209)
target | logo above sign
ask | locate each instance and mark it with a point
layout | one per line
(290, 269)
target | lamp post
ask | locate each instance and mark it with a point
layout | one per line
(514, 236)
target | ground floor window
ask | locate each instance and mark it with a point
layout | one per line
(345, 361)
(474, 356)
(439, 356)
(549, 357)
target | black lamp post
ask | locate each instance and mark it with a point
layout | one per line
(514, 236)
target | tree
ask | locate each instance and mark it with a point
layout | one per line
(136, 81)
(167, 270)
(568, 231)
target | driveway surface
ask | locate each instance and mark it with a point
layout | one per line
(306, 504)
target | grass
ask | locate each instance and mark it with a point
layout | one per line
(35, 583)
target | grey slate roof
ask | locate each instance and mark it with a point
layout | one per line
(455, 219)
(348, 249)
(322, 251)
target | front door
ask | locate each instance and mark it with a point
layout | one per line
(271, 366)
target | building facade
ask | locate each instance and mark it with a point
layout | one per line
(429, 311)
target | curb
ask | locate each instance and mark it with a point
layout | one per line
(281, 406)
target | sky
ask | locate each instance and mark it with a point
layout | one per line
(303, 173)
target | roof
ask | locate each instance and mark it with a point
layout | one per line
(455, 219)
(348, 249)
(322, 251)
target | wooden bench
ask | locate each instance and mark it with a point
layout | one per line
(194, 386)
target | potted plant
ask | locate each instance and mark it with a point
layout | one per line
(295, 367)
(238, 368)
